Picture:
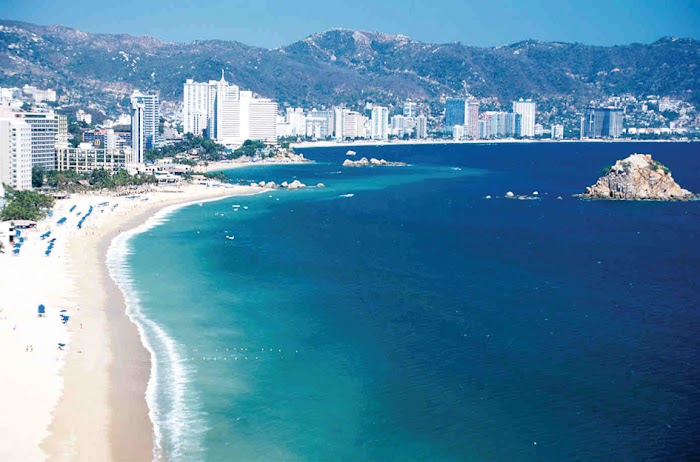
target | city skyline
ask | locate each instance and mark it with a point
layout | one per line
(273, 23)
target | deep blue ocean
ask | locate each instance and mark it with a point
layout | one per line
(418, 321)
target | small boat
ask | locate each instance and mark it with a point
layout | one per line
(230, 238)
(350, 153)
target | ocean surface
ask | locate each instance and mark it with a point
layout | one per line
(398, 315)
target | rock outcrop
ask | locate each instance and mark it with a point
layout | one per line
(364, 162)
(637, 177)
(296, 184)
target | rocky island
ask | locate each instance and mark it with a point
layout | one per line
(638, 177)
(372, 163)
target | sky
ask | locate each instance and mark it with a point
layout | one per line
(273, 23)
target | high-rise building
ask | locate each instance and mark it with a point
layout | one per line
(421, 127)
(348, 124)
(44, 129)
(398, 125)
(145, 121)
(15, 152)
(230, 116)
(557, 131)
(526, 109)
(458, 132)
(380, 123)
(261, 114)
(410, 108)
(296, 122)
(602, 123)
(454, 113)
(62, 133)
(318, 124)
(138, 139)
(195, 106)
(471, 119)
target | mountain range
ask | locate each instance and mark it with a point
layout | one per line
(344, 66)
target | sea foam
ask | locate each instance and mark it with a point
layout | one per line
(174, 416)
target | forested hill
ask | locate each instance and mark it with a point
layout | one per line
(344, 66)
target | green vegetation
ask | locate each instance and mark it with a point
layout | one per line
(205, 148)
(249, 148)
(25, 205)
(656, 165)
(73, 181)
(38, 177)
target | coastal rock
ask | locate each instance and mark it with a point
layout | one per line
(522, 197)
(296, 184)
(364, 162)
(320, 185)
(284, 184)
(638, 177)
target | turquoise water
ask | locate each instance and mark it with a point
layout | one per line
(416, 320)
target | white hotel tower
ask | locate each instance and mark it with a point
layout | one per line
(526, 109)
(15, 152)
(230, 115)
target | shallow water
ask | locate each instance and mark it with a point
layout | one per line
(416, 320)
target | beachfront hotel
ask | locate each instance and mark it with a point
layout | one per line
(86, 158)
(526, 109)
(229, 115)
(15, 152)
(145, 118)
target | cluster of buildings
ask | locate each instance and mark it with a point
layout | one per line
(464, 121)
(340, 123)
(226, 114)
(28, 139)
(39, 137)
(32, 134)
(30, 92)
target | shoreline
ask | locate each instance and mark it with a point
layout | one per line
(87, 402)
(376, 143)
(123, 383)
(117, 249)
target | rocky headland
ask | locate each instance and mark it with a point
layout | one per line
(364, 162)
(638, 177)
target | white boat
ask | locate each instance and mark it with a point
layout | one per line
(350, 153)
(230, 238)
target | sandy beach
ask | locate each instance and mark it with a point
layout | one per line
(84, 401)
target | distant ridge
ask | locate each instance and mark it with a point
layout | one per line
(342, 65)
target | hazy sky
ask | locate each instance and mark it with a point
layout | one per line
(272, 23)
